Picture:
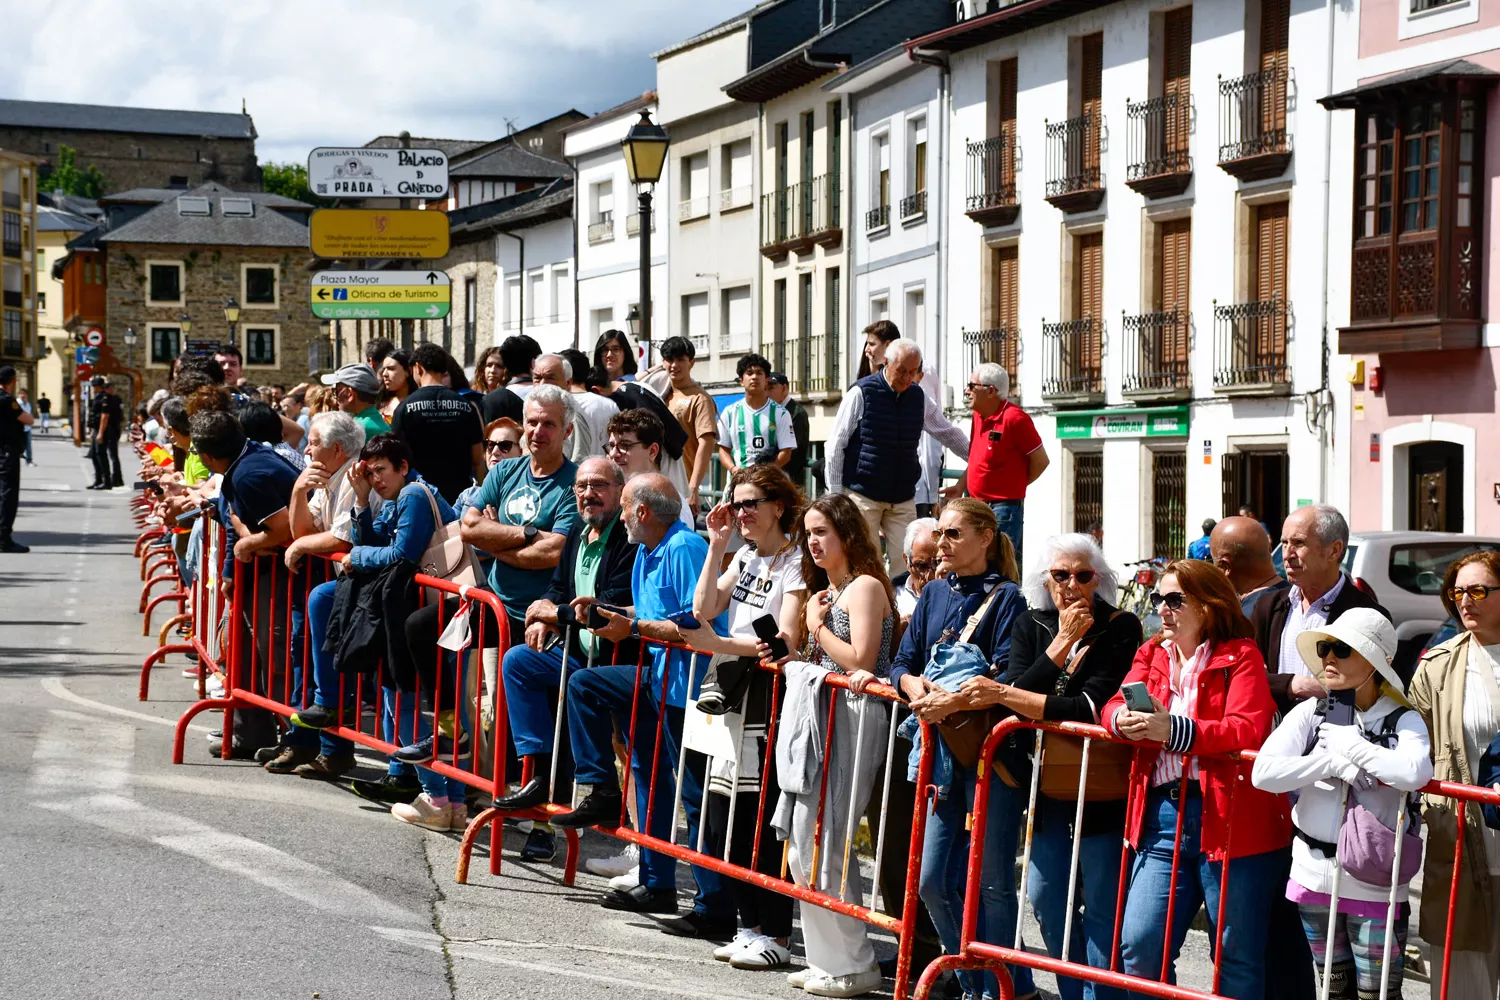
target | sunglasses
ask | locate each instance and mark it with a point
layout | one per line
(1477, 591)
(1083, 576)
(742, 505)
(952, 534)
(1340, 650)
(921, 566)
(503, 447)
(976, 386)
(1174, 600)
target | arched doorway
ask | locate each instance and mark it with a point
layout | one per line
(1435, 486)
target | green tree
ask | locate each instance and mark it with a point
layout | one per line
(67, 178)
(288, 180)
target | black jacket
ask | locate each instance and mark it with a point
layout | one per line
(368, 623)
(1269, 621)
(611, 587)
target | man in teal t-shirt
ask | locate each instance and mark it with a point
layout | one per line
(526, 507)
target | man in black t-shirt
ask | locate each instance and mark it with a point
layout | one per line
(440, 426)
(107, 435)
(501, 402)
(13, 424)
(44, 407)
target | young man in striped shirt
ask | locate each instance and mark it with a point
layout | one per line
(755, 430)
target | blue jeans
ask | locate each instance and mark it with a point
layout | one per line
(434, 784)
(326, 676)
(945, 861)
(1092, 940)
(1008, 513)
(598, 697)
(1247, 906)
(530, 680)
(413, 727)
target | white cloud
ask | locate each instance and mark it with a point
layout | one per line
(314, 73)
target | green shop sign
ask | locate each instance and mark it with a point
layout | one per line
(1165, 421)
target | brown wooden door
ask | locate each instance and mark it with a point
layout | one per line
(1091, 93)
(1173, 269)
(1268, 285)
(1088, 304)
(1177, 47)
(1007, 123)
(1005, 283)
(1275, 27)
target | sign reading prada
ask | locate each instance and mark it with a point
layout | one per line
(363, 172)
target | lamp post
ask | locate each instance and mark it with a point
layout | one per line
(232, 316)
(633, 324)
(645, 147)
(130, 364)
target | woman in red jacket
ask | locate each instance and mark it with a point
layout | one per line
(1208, 686)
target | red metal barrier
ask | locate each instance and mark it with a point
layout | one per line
(205, 612)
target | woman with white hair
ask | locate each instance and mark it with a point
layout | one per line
(1068, 653)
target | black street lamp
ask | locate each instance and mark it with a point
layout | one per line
(232, 316)
(645, 148)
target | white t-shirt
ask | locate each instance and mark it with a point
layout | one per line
(760, 585)
(748, 433)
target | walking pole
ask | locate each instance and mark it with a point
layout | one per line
(562, 697)
(1333, 901)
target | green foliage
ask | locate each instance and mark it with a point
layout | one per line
(288, 180)
(67, 178)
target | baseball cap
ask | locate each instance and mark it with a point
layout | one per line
(1364, 630)
(777, 378)
(359, 377)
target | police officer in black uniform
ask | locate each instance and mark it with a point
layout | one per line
(13, 424)
(106, 421)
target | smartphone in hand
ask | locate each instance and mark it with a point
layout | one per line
(596, 617)
(766, 630)
(684, 619)
(1137, 698)
(1339, 708)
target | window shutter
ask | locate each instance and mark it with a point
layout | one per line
(1270, 276)
(1275, 18)
(1177, 31)
(1008, 287)
(1091, 92)
(1007, 123)
(1091, 304)
(1172, 277)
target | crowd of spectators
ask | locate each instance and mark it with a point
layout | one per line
(571, 485)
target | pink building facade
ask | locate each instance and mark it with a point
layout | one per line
(1416, 372)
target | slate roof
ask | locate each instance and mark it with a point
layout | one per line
(554, 200)
(1011, 19)
(55, 220)
(106, 118)
(276, 222)
(722, 28)
(453, 147)
(510, 160)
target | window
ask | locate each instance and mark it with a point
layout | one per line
(878, 216)
(258, 286)
(601, 320)
(41, 302)
(833, 330)
(562, 292)
(471, 307)
(880, 307)
(41, 261)
(735, 185)
(778, 346)
(602, 212)
(916, 138)
(916, 315)
(734, 320)
(11, 341)
(835, 162)
(166, 344)
(536, 307)
(1419, 569)
(260, 346)
(1088, 489)
(695, 321)
(164, 284)
(694, 200)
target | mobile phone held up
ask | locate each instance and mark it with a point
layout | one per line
(1339, 708)
(596, 617)
(684, 619)
(765, 628)
(1137, 698)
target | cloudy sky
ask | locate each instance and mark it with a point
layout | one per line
(314, 73)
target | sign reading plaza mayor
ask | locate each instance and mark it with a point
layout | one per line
(379, 232)
(1166, 421)
(363, 172)
(381, 294)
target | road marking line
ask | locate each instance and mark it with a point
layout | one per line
(55, 687)
(80, 751)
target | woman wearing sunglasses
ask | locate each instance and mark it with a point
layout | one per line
(1068, 654)
(961, 627)
(1457, 691)
(502, 440)
(1362, 749)
(1207, 684)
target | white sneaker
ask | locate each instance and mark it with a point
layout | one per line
(424, 814)
(458, 822)
(742, 937)
(615, 866)
(853, 985)
(761, 952)
(800, 977)
(626, 882)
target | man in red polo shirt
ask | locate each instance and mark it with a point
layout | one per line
(1005, 451)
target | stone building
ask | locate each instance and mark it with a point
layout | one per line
(137, 147)
(174, 260)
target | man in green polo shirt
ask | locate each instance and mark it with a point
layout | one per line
(357, 390)
(597, 561)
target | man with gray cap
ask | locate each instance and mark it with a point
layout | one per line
(13, 424)
(106, 439)
(356, 388)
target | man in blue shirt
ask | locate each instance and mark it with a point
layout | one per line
(662, 584)
(1199, 548)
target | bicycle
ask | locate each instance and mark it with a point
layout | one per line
(1135, 593)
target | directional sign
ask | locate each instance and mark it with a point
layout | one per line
(381, 294)
(379, 232)
(377, 173)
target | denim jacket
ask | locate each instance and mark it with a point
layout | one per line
(401, 531)
(941, 613)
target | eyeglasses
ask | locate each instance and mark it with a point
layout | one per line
(952, 534)
(622, 446)
(925, 566)
(583, 486)
(1083, 576)
(1340, 650)
(503, 447)
(1174, 600)
(750, 504)
(976, 386)
(1477, 591)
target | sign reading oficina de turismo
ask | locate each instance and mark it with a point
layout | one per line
(363, 172)
(380, 294)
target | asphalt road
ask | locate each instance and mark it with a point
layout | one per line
(123, 876)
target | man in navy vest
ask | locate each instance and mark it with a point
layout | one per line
(872, 454)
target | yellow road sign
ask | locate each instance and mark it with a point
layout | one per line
(379, 232)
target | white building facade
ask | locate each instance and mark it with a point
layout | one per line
(1137, 230)
(607, 220)
(534, 269)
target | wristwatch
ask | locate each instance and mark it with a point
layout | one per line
(530, 533)
(635, 627)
